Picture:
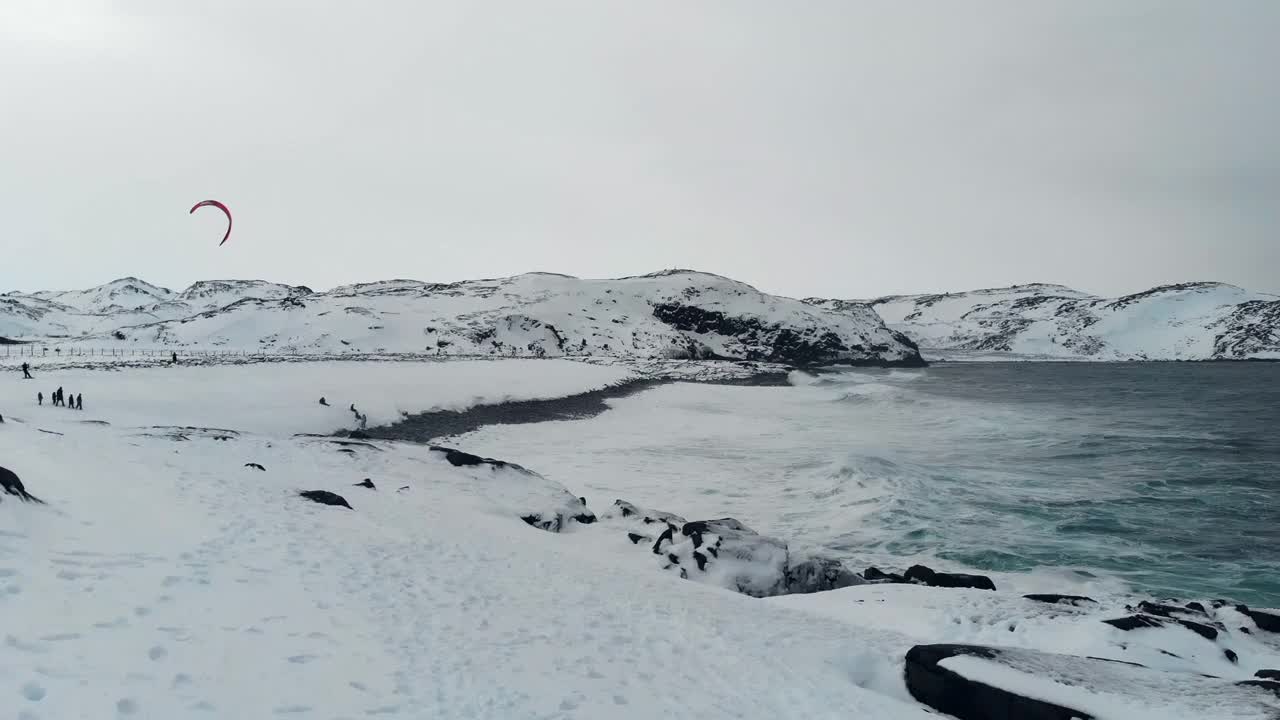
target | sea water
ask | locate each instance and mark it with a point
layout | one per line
(1163, 476)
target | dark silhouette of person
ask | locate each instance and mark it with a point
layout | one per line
(175, 358)
(26, 371)
(40, 399)
(57, 396)
(79, 401)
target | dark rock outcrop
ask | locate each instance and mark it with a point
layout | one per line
(932, 578)
(13, 486)
(1269, 685)
(366, 483)
(972, 682)
(876, 575)
(1060, 599)
(1268, 674)
(951, 693)
(772, 342)
(922, 575)
(255, 466)
(324, 497)
(1264, 620)
(458, 458)
(1135, 622)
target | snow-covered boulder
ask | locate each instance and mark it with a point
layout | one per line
(517, 491)
(726, 553)
(974, 682)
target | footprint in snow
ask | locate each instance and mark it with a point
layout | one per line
(33, 692)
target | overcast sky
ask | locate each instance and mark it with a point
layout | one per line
(839, 148)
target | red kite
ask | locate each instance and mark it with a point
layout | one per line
(221, 207)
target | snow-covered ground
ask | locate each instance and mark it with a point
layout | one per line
(165, 579)
(284, 398)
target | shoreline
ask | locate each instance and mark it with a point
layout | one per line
(437, 424)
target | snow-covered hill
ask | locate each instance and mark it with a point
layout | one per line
(1188, 321)
(673, 314)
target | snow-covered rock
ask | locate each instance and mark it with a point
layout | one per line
(973, 682)
(672, 314)
(726, 553)
(518, 491)
(1188, 321)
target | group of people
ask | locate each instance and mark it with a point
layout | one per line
(59, 399)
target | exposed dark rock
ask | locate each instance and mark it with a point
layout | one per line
(1204, 631)
(1060, 599)
(1196, 607)
(13, 486)
(355, 444)
(773, 342)
(932, 578)
(255, 466)
(876, 575)
(951, 693)
(1269, 685)
(324, 497)
(1231, 655)
(1133, 622)
(359, 435)
(667, 536)
(700, 559)
(458, 458)
(1264, 620)
(636, 539)
(366, 483)
(1268, 674)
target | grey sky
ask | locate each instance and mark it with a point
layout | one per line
(835, 148)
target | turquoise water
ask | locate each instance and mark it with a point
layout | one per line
(1167, 475)
(1156, 477)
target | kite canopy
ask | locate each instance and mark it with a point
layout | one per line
(220, 206)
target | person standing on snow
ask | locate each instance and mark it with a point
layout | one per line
(79, 401)
(40, 399)
(26, 371)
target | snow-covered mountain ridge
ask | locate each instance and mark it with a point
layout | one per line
(669, 314)
(1186, 321)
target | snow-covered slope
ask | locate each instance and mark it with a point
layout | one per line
(674, 314)
(1189, 321)
(124, 294)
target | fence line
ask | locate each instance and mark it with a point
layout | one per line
(29, 350)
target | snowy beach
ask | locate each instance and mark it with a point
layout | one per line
(166, 577)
